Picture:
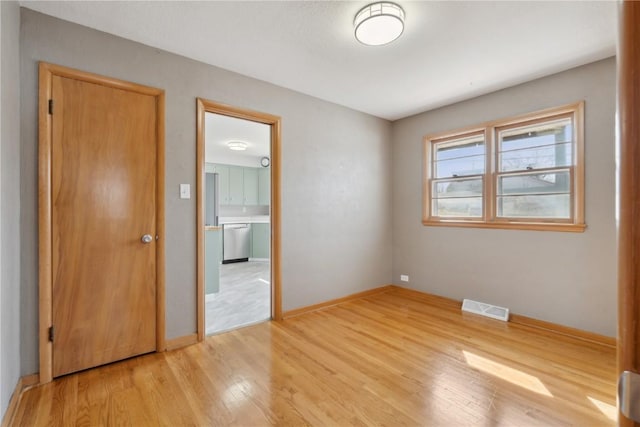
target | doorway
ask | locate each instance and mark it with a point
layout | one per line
(238, 217)
(101, 220)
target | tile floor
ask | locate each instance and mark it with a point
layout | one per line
(244, 297)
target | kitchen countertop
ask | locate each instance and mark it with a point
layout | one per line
(261, 219)
(212, 227)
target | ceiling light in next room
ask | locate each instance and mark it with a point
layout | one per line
(237, 145)
(379, 23)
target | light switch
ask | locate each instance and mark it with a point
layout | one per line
(185, 191)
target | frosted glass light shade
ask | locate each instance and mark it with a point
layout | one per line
(379, 23)
(237, 145)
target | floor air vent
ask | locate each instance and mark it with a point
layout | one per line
(483, 309)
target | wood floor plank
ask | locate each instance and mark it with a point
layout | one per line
(387, 359)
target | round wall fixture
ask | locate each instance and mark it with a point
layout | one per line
(265, 162)
(379, 23)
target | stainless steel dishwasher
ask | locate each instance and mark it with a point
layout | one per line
(235, 242)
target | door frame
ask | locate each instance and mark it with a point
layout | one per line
(628, 180)
(45, 251)
(205, 106)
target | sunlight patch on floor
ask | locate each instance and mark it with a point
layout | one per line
(609, 411)
(238, 393)
(506, 373)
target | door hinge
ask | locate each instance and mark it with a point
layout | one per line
(51, 333)
(51, 106)
(629, 395)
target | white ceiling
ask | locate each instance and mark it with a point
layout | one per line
(219, 130)
(449, 51)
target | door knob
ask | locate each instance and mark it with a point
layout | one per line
(147, 238)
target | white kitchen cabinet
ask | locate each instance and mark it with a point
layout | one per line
(264, 186)
(250, 186)
(236, 185)
(241, 186)
(213, 258)
(223, 183)
(260, 240)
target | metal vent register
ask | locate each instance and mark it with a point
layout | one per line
(483, 309)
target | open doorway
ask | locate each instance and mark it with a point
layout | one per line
(238, 218)
(237, 189)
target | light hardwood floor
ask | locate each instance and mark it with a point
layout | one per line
(389, 359)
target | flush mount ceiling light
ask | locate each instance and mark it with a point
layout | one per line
(379, 23)
(237, 145)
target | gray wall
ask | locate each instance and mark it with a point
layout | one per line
(336, 180)
(566, 278)
(9, 201)
(338, 189)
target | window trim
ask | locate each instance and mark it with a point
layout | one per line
(489, 218)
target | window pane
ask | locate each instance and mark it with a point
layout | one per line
(545, 206)
(464, 166)
(463, 147)
(551, 132)
(459, 157)
(458, 207)
(547, 156)
(457, 188)
(527, 183)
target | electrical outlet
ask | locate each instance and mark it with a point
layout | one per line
(404, 278)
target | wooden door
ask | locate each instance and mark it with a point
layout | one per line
(103, 200)
(629, 198)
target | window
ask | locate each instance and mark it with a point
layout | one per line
(525, 172)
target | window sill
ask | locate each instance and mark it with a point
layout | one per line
(535, 226)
